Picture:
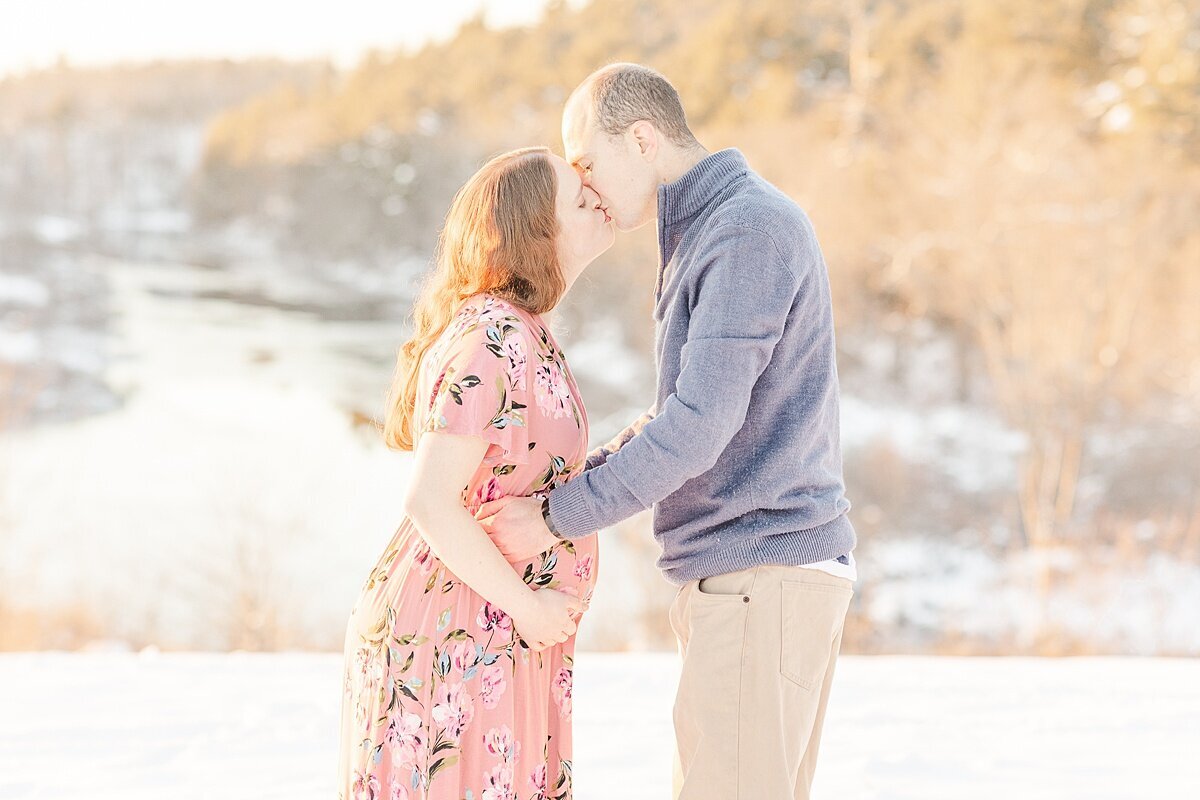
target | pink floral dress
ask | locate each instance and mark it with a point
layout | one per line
(441, 699)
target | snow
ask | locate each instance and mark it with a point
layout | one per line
(102, 725)
(971, 446)
(145, 220)
(53, 229)
(605, 357)
(19, 347)
(22, 291)
(1133, 606)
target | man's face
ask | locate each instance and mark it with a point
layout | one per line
(614, 167)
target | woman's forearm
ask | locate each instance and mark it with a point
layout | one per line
(459, 542)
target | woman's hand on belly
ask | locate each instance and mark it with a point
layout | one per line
(547, 618)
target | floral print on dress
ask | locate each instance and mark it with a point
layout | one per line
(483, 374)
(442, 698)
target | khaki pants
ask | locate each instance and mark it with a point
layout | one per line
(759, 647)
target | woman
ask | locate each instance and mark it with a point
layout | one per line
(458, 663)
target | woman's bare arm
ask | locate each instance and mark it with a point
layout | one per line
(444, 464)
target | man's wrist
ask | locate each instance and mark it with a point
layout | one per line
(546, 518)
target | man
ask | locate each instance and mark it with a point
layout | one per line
(740, 457)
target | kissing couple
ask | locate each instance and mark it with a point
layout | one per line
(459, 652)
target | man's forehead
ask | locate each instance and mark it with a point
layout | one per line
(573, 147)
(578, 146)
(575, 132)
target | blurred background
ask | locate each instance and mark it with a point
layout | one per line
(213, 219)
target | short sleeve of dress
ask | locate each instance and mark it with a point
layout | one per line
(480, 388)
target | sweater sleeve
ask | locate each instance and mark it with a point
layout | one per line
(742, 295)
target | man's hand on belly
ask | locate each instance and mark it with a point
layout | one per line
(516, 527)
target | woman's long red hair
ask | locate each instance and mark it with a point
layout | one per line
(499, 237)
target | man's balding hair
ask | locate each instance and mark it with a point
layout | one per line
(622, 94)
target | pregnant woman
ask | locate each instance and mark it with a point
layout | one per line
(458, 661)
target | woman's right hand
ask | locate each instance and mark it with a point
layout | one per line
(548, 619)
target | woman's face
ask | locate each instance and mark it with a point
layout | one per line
(585, 230)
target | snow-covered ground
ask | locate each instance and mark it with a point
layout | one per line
(101, 726)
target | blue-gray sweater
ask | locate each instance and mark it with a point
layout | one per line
(740, 456)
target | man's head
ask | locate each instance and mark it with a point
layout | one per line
(625, 131)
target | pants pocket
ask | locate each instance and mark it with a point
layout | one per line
(813, 614)
(729, 586)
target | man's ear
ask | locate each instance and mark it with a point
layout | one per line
(646, 138)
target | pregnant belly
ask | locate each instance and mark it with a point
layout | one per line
(569, 567)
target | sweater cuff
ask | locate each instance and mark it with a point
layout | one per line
(569, 510)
